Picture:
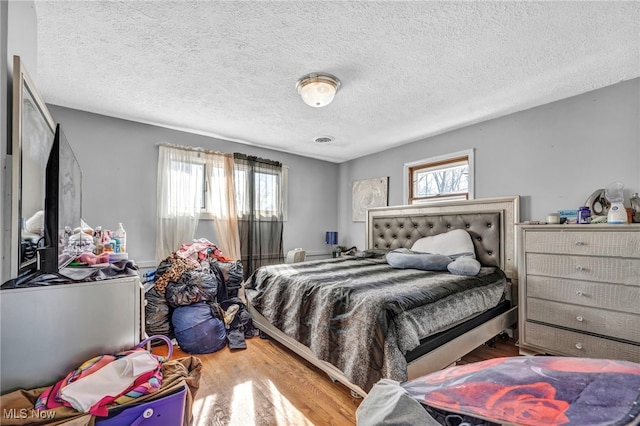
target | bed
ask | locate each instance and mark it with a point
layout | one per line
(359, 320)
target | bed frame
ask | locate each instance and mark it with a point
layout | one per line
(490, 222)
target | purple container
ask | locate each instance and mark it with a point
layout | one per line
(584, 215)
(165, 411)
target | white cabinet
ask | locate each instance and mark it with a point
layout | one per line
(580, 290)
(48, 331)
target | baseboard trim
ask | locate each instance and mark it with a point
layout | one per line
(146, 264)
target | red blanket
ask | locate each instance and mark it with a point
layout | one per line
(535, 391)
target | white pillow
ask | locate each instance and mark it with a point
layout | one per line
(454, 244)
(35, 224)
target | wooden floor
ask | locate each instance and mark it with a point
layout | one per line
(266, 384)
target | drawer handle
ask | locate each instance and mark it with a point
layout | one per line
(579, 318)
(578, 345)
(579, 293)
(579, 243)
(579, 268)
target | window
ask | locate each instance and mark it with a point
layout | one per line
(215, 204)
(444, 178)
(183, 176)
(193, 181)
(266, 189)
(269, 188)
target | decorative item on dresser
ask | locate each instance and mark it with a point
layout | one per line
(580, 290)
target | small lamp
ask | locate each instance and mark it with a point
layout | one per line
(331, 238)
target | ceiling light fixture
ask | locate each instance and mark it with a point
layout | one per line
(318, 89)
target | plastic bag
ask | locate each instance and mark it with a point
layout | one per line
(157, 314)
(192, 287)
(232, 273)
(197, 330)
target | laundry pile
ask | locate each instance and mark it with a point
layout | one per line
(131, 387)
(195, 299)
(104, 381)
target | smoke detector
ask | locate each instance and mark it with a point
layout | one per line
(323, 139)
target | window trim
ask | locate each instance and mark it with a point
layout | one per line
(205, 212)
(441, 159)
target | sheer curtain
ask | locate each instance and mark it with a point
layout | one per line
(221, 202)
(179, 197)
(260, 211)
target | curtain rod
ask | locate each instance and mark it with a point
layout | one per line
(192, 148)
(238, 155)
(209, 151)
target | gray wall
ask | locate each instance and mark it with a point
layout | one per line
(553, 156)
(22, 35)
(119, 161)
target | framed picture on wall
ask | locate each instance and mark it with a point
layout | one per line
(368, 193)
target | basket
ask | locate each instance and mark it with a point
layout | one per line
(165, 411)
(148, 340)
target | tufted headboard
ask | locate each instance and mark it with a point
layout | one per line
(489, 221)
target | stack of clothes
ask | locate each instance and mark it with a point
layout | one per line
(195, 299)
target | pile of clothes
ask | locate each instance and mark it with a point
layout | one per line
(195, 299)
(104, 381)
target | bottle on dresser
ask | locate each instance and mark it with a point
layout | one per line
(120, 235)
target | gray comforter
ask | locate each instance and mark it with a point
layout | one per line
(361, 315)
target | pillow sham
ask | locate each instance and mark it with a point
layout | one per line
(403, 258)
(455, 243)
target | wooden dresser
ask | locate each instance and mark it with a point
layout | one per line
(579, 290)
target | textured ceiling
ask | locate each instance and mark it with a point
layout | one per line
(409, 70)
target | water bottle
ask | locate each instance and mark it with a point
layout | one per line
(121, 235)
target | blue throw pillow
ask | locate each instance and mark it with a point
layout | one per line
(407, 259)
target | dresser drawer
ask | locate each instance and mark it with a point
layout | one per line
(592, 243)
(599, 321)
(616, 297)
(571, 343)
(602, 269)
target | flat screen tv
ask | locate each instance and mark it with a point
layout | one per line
(63, 204)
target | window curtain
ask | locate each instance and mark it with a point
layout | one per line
(260, 211)
(221, 202)
(179, 198)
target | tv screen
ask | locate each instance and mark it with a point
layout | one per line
(63, 203)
